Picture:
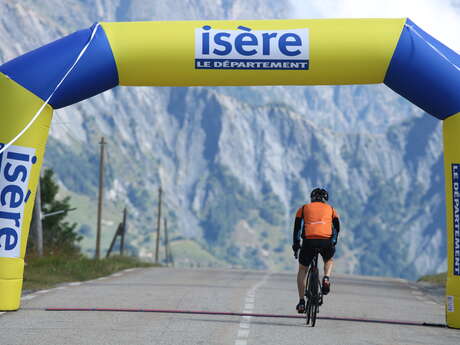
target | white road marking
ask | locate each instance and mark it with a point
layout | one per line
(417, 293)
(2, 312)
(131, 269)
(25, 298)
(60, 288)
(92, 280)
(43, 291)
(101, 278)
(116, 275)
(75, 283)
(245, 323)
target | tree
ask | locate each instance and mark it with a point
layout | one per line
(59, 236)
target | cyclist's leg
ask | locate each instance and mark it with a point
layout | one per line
(327, 253)
(301, 275)
(305, 258)
(328, 267)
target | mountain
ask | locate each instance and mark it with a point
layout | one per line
(235, 163)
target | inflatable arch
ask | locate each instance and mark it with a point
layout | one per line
(273, 52)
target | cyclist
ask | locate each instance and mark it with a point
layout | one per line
(320, 229)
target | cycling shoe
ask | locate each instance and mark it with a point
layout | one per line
(326, 286)
(300, 307)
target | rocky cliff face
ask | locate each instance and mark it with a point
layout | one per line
(237, 162)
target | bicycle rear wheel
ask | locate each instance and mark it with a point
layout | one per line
(314, 291)
(307, 294)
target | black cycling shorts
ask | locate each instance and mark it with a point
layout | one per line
(327, 250)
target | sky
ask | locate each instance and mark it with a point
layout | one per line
(439, 18)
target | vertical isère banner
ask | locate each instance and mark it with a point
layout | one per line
(451, 128)
(19, 171)
(456, 218)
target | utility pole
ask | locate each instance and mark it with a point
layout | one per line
(101, 193)
(166, 241)
(158, 226)
(37, 222)
(117, 233)
(123, 232)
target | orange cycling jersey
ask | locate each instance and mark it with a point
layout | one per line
(317, 218)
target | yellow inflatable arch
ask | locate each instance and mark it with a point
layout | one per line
(267, 52)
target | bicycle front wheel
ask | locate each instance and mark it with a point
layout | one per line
(314, 312)
(307, 312)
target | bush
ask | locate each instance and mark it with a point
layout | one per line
(59, 236)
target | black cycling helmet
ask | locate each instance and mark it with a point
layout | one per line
(319, 194)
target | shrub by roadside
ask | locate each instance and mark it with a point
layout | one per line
(437, 279)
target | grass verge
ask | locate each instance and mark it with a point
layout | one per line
(438, 279)
(48, 271)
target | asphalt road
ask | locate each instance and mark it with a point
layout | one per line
(226, 291)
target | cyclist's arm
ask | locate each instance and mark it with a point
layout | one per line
(336, 224)
(297, 230)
